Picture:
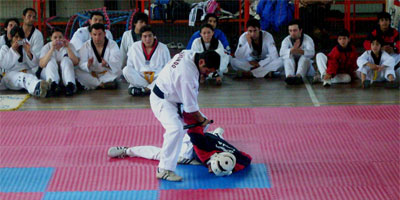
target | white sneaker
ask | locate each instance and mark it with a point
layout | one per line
(117, 152)
(41, 89)
(168, 175)
(326, 83)
(186, 161)
(218, 132)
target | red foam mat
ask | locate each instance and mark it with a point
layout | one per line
(333, 152)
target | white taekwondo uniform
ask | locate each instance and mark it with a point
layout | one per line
(128, 38)
(373, 75)
(18, 71)
(111, 54)
(268, 59)
(142, 68)
(82, 35)
(199, 46)
(178, 82)
(303, 61)
(58, 61)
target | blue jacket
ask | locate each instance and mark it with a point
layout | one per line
(274, 13)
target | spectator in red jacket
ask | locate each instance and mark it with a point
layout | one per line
(340, 64)
(390, 37)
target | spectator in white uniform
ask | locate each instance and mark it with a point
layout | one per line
(207, 41)
(376, 65)
(18, 62)
(8, 25)
(297, 50)
(82, 35)
(131, 36)
(59, 57)
(33, 36)
(146, 58)
(256, 52)
(100, 61)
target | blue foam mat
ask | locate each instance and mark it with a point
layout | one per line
(198, 177)
(24, 179)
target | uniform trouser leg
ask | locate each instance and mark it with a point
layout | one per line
(365, 70)
(67, 71)
(289, 65)
(303, 66)
(87, 80)
(153, 153)
(134, 78)
(20, 80)
(50, 72)
(389, 71)
(272, 66)
(223, 68)
(322, 60)
(240, 64)
(167, 113)
(384, 74)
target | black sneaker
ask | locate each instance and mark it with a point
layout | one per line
(70, 89)
(54, 91)
(391, 85)
(135, 91)
(298, 80)
(290, 80)
(112, 85)
(366, 84)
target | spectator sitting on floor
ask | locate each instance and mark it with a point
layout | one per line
(297, 50)
(256, 52)
(376, 65)
(100, 61)
(131, 36)
(8, 26)
(18, 63)
(390, 37)
(340, 64)
(212, 19)
(59, 57)
(146, 58)
(207, 41)
(83, 34)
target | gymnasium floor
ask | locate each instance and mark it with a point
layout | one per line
(307, 142)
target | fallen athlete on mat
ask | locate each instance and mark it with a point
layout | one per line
(198, 148)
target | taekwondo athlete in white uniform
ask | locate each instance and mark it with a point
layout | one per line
(146, 58)
(32, 35)
(256, 52)
(82, 35)
(131, 36)
(6, 38)
(207, 41)
(17, 62)
(178, 83)
(100, 61)
(59, 57)
(376, 65)
(297, 49)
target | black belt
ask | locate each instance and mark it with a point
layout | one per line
(158, 92)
